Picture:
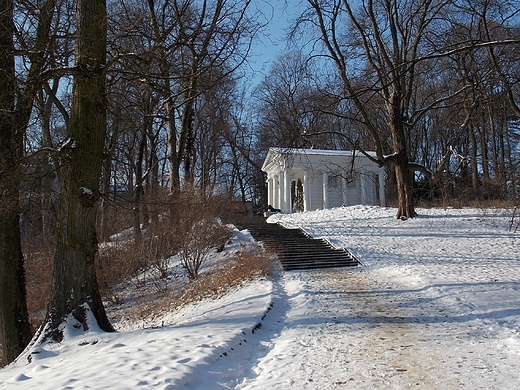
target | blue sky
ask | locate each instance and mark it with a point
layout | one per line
(272, 41)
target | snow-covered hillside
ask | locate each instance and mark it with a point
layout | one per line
(436, 305)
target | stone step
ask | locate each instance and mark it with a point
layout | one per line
(316, 266)
(316, 256)
(296, 249)
(301, 248)
(336, 262)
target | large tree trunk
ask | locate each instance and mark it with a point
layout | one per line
(14, 323)
(74, 286)
(474, 162)
(405, 204)
(106, 178)
(173, 159)
(400, 160)
(138, 191)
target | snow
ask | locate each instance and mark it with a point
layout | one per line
(436, 305)
(321, 152)
(85, 191)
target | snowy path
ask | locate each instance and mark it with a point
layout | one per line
(346, 329)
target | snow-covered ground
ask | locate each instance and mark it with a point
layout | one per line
(436, 305)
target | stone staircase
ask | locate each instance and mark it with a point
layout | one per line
(295, 248)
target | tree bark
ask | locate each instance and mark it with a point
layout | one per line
(173, 157)
(14, 322)
(138, 190)
(75, 292)
(403, 174)
(474, 162)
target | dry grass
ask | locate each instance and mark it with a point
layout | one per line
(499, 204)
(245, 266)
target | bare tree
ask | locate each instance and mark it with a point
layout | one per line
(14, 325)
(192, 39)
(74, 287)
(283, 102)
(16, 104)
(497, 22)
(483, 39)
(386, 52)
(375, 46)
(294, 106)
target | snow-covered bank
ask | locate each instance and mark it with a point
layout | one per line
(435, 306)
(167, 357)
(466, 256)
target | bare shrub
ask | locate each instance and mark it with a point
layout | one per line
(187, 225)
(117, 262)
(161, 243)
(196, 244)
(246, 265)
(142, 262)
(196, 228)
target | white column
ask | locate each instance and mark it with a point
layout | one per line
(270, 191)
(306, 193)
(362, 184)
(281, 196)
(382, 196)
(325, 190)
(287, 192)
(344, 188)
(276, 192)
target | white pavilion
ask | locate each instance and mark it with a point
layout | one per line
(309, 179)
